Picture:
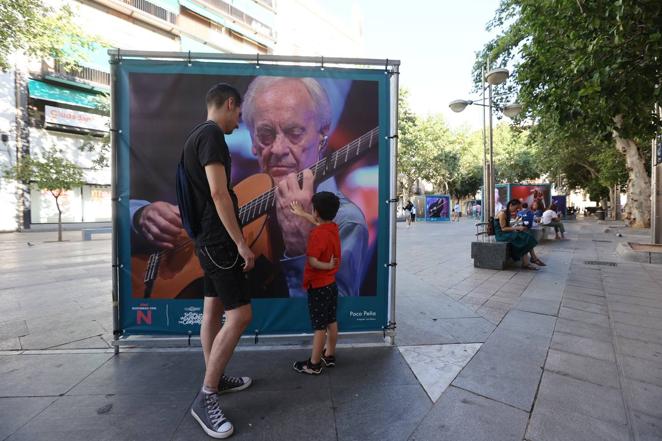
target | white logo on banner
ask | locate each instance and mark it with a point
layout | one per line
(191, 318)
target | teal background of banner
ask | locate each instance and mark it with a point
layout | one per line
(270, 316)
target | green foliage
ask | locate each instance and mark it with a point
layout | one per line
(41, 31)
(100, 146)
(52, 172)
(578, 65)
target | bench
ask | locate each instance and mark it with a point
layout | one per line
(541, 233)
(88, 232)
(490, 255)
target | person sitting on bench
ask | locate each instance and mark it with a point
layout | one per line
(521, 242)
(550, 218)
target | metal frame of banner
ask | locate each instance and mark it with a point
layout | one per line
(390, 67)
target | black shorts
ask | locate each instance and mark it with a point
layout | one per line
(322, 306)
(224, 277)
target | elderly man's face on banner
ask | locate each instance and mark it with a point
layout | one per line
(286, 134)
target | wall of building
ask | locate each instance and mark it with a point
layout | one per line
(8, 196)
(305, 27)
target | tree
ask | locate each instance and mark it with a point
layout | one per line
(587, 67)
(41, 31)
(52, 172)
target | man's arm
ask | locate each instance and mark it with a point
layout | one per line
(217, 178)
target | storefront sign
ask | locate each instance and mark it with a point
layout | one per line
(75, 118)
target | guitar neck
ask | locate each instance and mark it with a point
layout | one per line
(322, 170)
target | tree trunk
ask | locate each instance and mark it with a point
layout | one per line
(638, 206)
(59, 219)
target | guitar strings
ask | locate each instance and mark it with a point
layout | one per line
(269, 194)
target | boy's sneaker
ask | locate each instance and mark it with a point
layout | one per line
(207, 411)
(328, 360)
(306, 367)
(229, 383)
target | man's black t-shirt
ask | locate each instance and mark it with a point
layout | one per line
(205, 145)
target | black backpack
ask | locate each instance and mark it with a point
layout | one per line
(185, 201)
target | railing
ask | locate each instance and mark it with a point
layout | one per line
(241, 16)
(82, 73)
(152, 9)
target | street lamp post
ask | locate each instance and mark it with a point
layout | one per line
(493, 77)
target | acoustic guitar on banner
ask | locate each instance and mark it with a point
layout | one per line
(168, 274)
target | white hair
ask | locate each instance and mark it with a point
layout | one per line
(317, 93)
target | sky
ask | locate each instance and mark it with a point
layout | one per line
(435, 41)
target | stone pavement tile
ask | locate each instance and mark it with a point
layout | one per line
(584, 306)
(640, 349)
(635, 332)
(648, 310)
(270, 415)
(96, 342)
(642, 370)
(107, 418)
(61, 336)
(637, 319)
(10, 344)
(370, 367)
(507, 368)
(141, 373)
(585, 285)
(569, 394)
(558, 424)
(586, 298)
(582, 329)
(527, 322)
(632, 300)
(646, 427)
(461, 415)
(460, 330)
(18, 411)
(589, 369)
(585, 317)
(494, 315)
(599, 292)
(651, 293)
(13, 328)
(379, 414)
(538, 306)
(644, 397)
(583, 346)
(45, 375)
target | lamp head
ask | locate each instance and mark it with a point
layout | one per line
(512, 110)
(496, 76)
(459, 105)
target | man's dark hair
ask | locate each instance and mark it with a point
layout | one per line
(525, 205)
(220, 93)
(553, 207)
(326, 204)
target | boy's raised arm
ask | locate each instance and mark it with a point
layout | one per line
(297, 209)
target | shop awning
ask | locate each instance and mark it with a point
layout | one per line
(202, 11)
(57, 94)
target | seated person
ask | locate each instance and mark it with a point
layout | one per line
(550, 218)
(526, 216)
(521, 242)
(538, 208)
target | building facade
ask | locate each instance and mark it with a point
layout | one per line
(44, 105)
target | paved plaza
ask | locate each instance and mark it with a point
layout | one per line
(571, 352)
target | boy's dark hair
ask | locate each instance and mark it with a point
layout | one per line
(525, 205)
(326, 204)
(220, 93)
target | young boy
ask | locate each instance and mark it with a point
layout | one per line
(319, 279)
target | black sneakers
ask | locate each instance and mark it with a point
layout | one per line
(208, 414)
(329, 361)
(306, 367)
(233, 384)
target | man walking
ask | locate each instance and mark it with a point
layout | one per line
(224, 255)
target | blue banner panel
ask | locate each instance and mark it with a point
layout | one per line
(159, 102)
(437, 208)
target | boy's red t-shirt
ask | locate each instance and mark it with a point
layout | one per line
(323, 242)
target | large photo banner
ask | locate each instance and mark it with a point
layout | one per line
(538, 196)
(437, 208)
(285, 112)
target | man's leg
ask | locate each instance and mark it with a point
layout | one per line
(212, 312)
(223, 346)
